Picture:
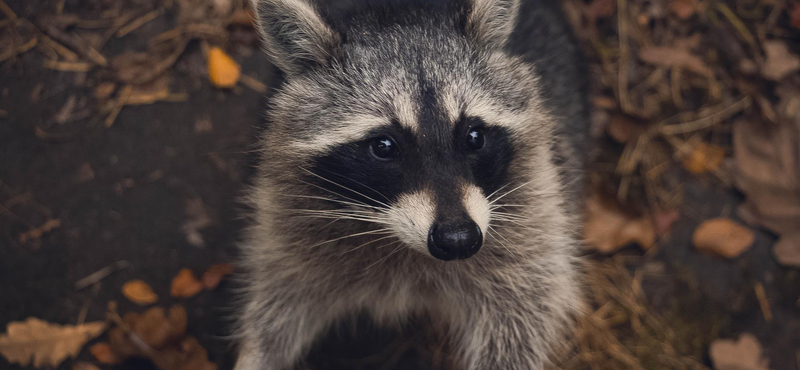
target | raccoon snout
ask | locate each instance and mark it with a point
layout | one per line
(450, 241)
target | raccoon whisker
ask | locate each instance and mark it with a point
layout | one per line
(354, 218)
(338, 194)
(357, 182)
(387, 256)
(345, 187)
(498, 189)
(367, 243)
(538, 230)
(371, 232)
(359, 204)
(492, 233)
(510, 191)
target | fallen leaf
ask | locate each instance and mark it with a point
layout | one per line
(185, 284)
(674, 57)
(84, 366)
(137, 291)
(767, 171)
(103, 353)
(39, 343)
(704, 158)
(779, 62)
(722, 237)
(223, 71)
(215, 273)
(608, 228)
(787, 249)
(623, 128)
(85, 173)
(744, 354)
(37, 232)
(158, 328)
(600, 9)
(160, 337)
(684, 9)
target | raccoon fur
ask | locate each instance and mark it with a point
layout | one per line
(420, 157)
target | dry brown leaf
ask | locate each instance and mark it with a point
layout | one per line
(185, 284)
(600, 9)
(623, 128)
(215, 273)
(160, 337)
(684, 9)
(674, 57)
(39, 343)
(722, 237)
(767, 171)
(787, 249)
(608, 228)
(779, 61)
(103, 353)
(223, 71)
(84, 366)
(137, 291)
(37, 232)
(744, 354)
(704, 158)
(85, 173)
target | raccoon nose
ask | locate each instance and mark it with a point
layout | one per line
(449, 241)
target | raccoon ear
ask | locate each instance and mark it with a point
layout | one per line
(294, 33)
(491, 22)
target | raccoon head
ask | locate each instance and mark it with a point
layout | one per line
(413, 120)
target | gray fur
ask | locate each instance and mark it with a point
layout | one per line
(506, 307)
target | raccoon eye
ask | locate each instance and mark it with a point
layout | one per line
(383, 148)
(475, 139)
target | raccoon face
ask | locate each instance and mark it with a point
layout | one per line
(413, 124)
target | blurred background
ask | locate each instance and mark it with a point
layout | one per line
(125, 132)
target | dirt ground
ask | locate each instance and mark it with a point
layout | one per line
(158, 187)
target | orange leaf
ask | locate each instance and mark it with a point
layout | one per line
(722, 237)
(139, 292)
(223, 71)
(103, 353)
(704, 158)
(608, 228)
(185, 284)
(214, 275)
(684, 9)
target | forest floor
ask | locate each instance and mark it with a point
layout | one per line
(120, 161)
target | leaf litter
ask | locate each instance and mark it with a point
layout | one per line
(40, 344)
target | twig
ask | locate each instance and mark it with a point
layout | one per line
(7, 11)
(19, 50)
(253, 83)
(123, 96)
(76, 44)
(101, 274)
(138, 22)
(622, 64)
(60, 49)
(718, 115)
(68, 66)
(763, 302)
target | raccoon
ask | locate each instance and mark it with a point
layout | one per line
(419, 158)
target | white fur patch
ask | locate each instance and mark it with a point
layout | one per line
(412, 217)
(477, 207)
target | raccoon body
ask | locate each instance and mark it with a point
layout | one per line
(421, 157)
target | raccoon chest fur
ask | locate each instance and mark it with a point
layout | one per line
(419, 157)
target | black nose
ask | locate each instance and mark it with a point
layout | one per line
(449, 241)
